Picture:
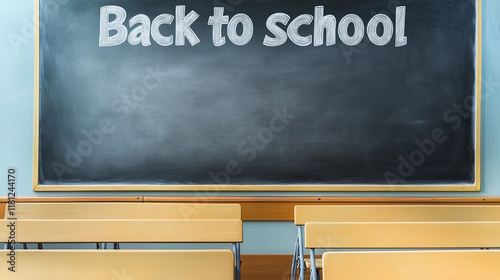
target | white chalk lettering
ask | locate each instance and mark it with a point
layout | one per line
(105, 26)
(371, 30)
(217, 20)
(359, 30)
(401, 39)
(155, 30)
(322, 23)
(183, 26)
(350, 30)
(280, 35)
(140, 34)
(247, 33)
(145, 29)
(293, 30)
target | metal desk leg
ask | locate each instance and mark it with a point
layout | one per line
(301, 254)
(238, 262)
(313, 265)
(295, 258)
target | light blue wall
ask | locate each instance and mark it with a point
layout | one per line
(16, 121)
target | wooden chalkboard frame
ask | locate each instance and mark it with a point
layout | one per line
(476, 186)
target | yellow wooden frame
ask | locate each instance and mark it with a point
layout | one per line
(476, 186)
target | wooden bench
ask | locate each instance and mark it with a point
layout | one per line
(433, 250)
(121, 265)
(381, 213)
(180, 211)
(82, 210)
(118, 264)
(413, 265)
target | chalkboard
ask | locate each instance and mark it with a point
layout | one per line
(257, 95)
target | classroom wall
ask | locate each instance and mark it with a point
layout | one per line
(16, 124)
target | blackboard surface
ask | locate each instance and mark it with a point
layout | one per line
(258, 117)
